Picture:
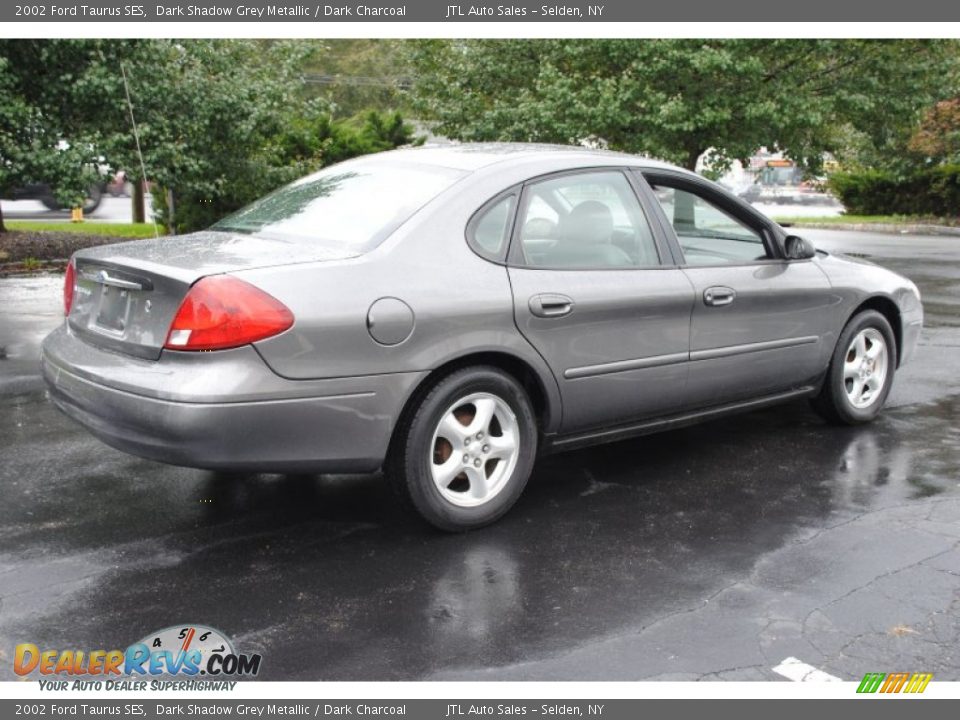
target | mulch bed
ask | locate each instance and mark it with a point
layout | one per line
(30, 251)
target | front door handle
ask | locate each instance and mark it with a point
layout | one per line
(551, 305)
(718, 296)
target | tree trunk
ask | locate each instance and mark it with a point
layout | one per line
(138, 200)
(3, 228)
(693, 154)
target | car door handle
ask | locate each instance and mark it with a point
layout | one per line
(551, 305)
(718, 296)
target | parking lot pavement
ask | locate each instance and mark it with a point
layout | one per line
(716, 551)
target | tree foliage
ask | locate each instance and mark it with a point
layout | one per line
(220, 122)
(938, 136)
(208, 113)
(677, 99)
(32, 147)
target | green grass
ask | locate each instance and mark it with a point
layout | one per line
(117, 230)
(868, 219)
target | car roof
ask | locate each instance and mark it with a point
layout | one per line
(471, 157)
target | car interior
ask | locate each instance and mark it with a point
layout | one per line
(586, 221)
(707, 234)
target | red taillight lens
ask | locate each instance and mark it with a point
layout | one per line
(69, 281)
(223, 312)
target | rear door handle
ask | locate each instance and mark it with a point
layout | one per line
(551, 305)
(718, 296)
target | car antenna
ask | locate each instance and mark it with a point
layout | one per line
(136, 137)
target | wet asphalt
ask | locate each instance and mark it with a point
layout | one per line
(711, 552)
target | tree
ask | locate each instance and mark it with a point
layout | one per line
(34, 146)
(15, 121)
(938, 135)
(677, 99)
(220, 122)
(207, 113)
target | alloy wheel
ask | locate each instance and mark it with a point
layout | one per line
(475, 449)
(865, 368)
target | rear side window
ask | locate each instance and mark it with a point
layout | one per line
(586, 220)
(354, 204)
(489, 230)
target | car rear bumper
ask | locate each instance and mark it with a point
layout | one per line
(224, 410)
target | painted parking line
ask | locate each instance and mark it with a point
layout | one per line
(798, 671)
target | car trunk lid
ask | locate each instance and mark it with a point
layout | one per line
(128, 294)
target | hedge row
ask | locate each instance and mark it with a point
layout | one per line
(933, 191)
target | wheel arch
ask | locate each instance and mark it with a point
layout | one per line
(546, 405)
(889, 309)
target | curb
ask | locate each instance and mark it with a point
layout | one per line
(890, 228)
(17, 269)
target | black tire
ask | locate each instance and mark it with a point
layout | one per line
(49, 202)
(93, 199)
(833, 403)
(90, 203)
(409, 469)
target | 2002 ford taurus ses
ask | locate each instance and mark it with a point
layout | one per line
(447, 313)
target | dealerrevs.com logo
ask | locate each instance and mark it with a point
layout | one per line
(180, 650)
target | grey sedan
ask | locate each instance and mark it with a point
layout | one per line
(448, 313)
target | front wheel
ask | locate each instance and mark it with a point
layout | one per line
(861, 371)
(463, 456)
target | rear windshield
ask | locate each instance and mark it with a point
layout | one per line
(353, 205)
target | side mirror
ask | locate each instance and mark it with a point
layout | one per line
(798, 248)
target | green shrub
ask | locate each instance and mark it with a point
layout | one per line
(931, 191)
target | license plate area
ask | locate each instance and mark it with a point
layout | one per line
(113, 311)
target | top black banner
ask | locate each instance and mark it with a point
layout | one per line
(259, 11)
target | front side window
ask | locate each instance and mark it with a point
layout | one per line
(707, 234)
(353, 205)
(585, 220)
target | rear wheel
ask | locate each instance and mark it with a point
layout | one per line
(464, 454)
(861, 371)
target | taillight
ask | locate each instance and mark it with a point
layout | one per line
(223, 312)
(69, 281)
